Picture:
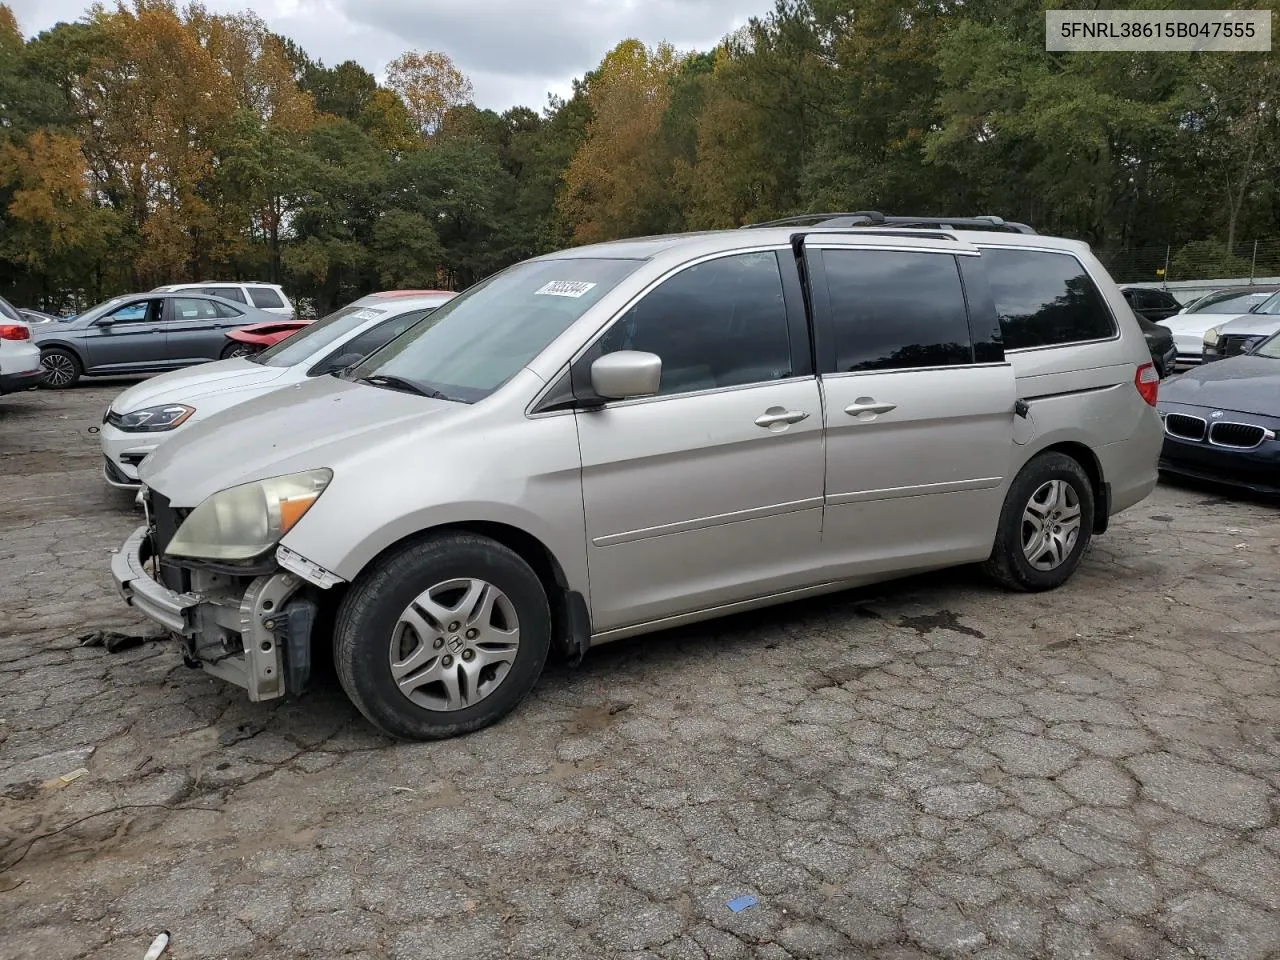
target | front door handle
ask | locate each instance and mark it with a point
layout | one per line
(776, 415)
(868, 405)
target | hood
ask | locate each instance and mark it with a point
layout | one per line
(1257, 324)
(1196, 323)
(1244, 384)
(316, 423)
(191, 383)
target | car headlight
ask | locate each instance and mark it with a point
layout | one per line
(1211, 336)
(167, 416)
(240, 523)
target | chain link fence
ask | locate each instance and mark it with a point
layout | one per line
(1245, 260)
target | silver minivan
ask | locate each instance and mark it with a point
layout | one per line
(619, 438)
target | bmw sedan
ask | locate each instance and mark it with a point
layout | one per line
(139, 333)
(1221, 421)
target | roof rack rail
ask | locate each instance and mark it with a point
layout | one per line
(872, 218)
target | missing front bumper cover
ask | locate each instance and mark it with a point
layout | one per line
(256, 636)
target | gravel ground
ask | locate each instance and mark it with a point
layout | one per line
(928, 769)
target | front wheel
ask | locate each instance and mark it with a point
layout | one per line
(1045, 525)
(62, 368)
(443, 637)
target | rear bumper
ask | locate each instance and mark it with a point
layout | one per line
(15, 382)
(237, 628)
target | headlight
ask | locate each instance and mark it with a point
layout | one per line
(155, 419)
(1211, 336)
(241, 522)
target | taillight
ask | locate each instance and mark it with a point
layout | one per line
(1147, 380)
(14, 331)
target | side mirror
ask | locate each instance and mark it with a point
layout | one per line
(104, 322)
(626, 373)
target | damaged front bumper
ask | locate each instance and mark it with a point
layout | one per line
(254, 631)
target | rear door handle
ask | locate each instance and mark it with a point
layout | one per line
(776, 415)
(867, 405)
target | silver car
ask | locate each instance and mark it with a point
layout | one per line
(140, 333)
(619, 438)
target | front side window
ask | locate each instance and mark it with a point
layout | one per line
(472, 345)
(1045, 299)
(716, 324)
(265, 298)
(192, 308)
(894, 310)
(136, 312)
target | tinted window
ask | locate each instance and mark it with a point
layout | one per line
(192, 308)
(226, 311)
(298, 346)
(477, 341)
(892, 310)
(1045, 299)
(716, 324)
(363, 344)
(227, 293)
(265, 297)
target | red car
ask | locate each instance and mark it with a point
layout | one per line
(248, 340)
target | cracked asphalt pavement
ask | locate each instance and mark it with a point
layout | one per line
(931, 768)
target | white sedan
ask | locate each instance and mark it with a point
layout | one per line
(19, 356)
(152, 411)
(1191, 323)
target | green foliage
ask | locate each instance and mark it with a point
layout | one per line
(149, 143)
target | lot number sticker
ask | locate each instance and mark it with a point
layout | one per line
(564, 288)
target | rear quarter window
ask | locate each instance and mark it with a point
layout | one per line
(265, 298)
(1045, 299)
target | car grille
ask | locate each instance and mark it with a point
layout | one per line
(1242, 436)
(1181, 425)
(1235, 345)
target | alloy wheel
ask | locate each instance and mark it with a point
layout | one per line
(1050, 524)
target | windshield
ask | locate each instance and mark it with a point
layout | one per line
(299, 346)
(479, 340)
(1269, 307)
(1228, 303)
(1269, 348)
(100, 308)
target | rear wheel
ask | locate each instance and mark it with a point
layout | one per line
(62, 368)
(237, 349)
(443, 637)
(1045, 525)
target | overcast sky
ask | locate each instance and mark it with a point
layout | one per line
(514, 51)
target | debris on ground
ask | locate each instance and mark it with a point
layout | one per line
(738, 904)
(158, 946)
(243, 731)
(114, 642)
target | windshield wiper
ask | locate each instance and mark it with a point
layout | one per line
(407, 386)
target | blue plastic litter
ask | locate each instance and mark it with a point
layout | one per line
(738, 904)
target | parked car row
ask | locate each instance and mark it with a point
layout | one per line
(610, 440)
(156, 409)
(1222, 323)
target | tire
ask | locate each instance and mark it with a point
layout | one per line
(1024, 554)
(62, 368)
(235, 349)
(413, 591)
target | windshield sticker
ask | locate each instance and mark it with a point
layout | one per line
(564, 288)
(368, 313)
